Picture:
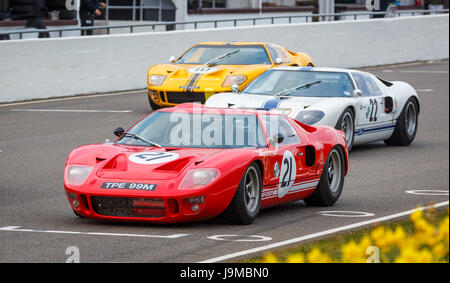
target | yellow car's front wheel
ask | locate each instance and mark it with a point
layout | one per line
(153, 105)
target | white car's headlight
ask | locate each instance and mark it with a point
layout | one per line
(310, 117)
(234, 80)
(198, 178)
(156, 80)
(76, 175)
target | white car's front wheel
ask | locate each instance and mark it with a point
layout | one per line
(346, 123)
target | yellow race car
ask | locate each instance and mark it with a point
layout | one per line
(208, 68)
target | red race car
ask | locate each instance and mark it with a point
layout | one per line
(191, 163)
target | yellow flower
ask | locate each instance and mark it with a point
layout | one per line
(296, 258)
(416, 215)
(442, 233)
(352, 253)
(407, 255)
(439, 251)
(316, 256)
(270, 258)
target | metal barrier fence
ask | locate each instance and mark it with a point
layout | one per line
(173, 25)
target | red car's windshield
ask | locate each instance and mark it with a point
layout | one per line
(180, 129)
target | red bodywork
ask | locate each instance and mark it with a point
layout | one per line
(167, 203)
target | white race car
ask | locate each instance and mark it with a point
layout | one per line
(365, 107)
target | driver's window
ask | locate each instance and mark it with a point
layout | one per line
(278, 125)
(367, 85)
(277, 52)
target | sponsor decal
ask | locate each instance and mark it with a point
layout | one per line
(202, 70)
(151, 158)
(129, 186)
(288, 173)
(276, 170)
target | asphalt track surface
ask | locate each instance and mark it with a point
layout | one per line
(35, 139)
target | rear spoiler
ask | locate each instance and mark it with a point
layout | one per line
(309, 129)
(386, 83)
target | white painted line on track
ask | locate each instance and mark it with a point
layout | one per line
(73, 98)
(71, 111)
(18, 229)
(428, 192)
(416, 71)
(345, 214)
(320, 234)
(240, 238)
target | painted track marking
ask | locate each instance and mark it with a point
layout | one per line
(240, 238)
(74, 97)
(345, 214)
(71, 110)
(320, 234)
(19, 229)
(428, 192)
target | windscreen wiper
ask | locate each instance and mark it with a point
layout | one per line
(142, 139)
(212, 62)
(303, 86)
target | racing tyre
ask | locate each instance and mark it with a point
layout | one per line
(406, 127)
(153, 105)
(331, 182)
(246, 202)
(346, 123)
(79, 215)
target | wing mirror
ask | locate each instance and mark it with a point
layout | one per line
(278, 138)
(235, 88)
(279, 61)
(119, 131)
(172, 59)
(357, 93)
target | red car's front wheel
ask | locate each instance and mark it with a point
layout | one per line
(246, 202)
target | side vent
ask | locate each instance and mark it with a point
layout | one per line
(310, 155)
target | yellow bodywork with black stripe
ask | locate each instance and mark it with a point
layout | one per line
(208, 68)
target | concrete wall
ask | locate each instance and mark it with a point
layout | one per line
(31, 69)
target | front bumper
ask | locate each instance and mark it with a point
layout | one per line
(151, 207)
(169, 98)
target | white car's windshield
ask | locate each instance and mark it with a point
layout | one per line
(302, 83)
(187, 130)
(238, 55)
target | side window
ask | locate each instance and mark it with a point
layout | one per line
(367, 85)
(277, 124)
(374, 90)
(277, 52)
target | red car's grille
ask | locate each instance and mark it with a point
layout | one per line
(129, 207)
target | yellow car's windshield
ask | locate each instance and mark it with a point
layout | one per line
(236, 55)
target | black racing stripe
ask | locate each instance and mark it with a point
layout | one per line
(192, 83)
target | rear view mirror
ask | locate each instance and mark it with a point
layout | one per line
(279, 61)
(119, 131)
(278, 138)
(172, 59)
(235, 88)
(357, 93)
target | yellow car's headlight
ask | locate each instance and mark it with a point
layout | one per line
(234, 80)
(156, 80)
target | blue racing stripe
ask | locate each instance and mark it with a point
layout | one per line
(363, 131)
(271, 104)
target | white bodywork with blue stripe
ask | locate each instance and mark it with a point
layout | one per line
(366, 130)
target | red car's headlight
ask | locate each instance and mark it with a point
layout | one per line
(76, 175)
(198, 178)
